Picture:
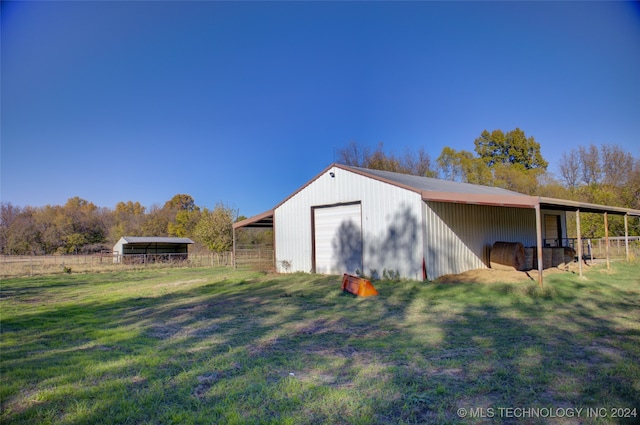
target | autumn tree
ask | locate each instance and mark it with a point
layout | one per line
(83, 225)
(8, 214)
(53, 227)
(22, 234)
(183, 215)
(181, 202)
(156, 222)
(128, 218)
(177, 217)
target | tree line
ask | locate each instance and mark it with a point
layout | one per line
(606, 175)
(602, 175)
(80, 227)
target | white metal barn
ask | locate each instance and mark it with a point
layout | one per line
(349, 219)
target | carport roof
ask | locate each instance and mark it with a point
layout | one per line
(264, 219)
(155, 239)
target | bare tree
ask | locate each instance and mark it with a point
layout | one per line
(418, 163)
(617, 165)
(570, 168)
(353, 154)
(590, 172)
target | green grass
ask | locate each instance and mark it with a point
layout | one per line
(195, 346)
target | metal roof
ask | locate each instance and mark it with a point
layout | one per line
(155, 239)
(433, 185)
(466, 193)
(567, 205)
(264, 219)
(438, 190)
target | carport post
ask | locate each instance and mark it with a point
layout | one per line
(539, 242)
(606, 237)
(626, 235)
(579, 242)
(233, 252)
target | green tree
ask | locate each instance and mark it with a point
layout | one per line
(215, 228)
(513, 148)
(184, 223)
(449, 167)
(75, 241)
(513, 177)
(463, 166)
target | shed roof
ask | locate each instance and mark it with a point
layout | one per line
(155, 239)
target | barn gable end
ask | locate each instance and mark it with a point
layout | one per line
(389, 231)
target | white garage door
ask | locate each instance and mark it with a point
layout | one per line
(338, 239)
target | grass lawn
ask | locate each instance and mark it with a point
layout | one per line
(199, 346)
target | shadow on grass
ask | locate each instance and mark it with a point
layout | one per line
(295, 349)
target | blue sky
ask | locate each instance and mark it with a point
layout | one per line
(243, 102)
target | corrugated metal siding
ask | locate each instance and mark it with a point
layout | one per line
(459, 236)
(391, 223)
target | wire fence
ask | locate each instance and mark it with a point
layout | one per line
(597, 248)
(258, 259)
(261, 259)
(24, 265)
(33, 265)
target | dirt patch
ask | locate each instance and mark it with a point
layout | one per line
(503, 275)
(186, 282)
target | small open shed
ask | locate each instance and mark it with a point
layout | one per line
(150, 247)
